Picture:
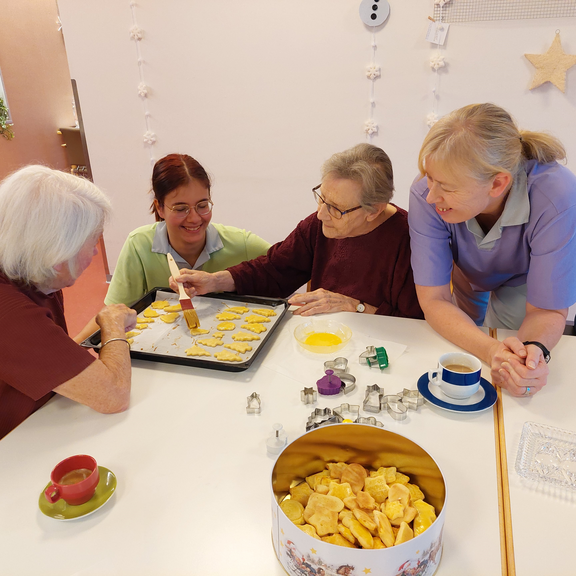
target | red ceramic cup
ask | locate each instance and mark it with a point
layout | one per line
(78, 492)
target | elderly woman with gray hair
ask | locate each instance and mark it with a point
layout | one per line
(354, 250)
(50, 223)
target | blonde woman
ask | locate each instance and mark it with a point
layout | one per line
(495, 214)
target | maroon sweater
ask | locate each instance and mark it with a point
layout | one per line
(374, 268)
(36, 353)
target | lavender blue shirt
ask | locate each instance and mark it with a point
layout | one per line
(533, 242)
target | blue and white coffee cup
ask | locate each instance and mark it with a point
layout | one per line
(458, 375)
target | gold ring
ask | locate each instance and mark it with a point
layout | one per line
(527, 391)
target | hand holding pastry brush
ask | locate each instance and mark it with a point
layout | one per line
(189, 313)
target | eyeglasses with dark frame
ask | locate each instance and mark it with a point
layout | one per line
(202, 208)
(332, 210)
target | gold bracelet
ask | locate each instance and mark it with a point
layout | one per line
(113, 340)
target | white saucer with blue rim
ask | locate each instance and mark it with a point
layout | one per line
(482, 400)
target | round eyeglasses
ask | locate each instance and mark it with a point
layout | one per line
(202, 208)
(332, 210)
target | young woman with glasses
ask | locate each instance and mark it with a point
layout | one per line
(354, 250)
(182, 206)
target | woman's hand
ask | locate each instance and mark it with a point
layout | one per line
(516, 368)
(322, 301)
(116, 318)
(196, 282)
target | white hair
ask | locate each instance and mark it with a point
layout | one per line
(46, 217)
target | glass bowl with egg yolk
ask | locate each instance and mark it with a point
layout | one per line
(322, 336)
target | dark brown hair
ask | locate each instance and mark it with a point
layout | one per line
(173, 171)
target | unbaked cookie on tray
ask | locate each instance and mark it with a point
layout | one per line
(255, 327)
(197, 351)
(227, 356)
(244, 337)
(241, 347)
(264, 312)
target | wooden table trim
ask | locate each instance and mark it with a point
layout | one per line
(506, 535)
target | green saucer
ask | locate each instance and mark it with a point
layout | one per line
(62, 511)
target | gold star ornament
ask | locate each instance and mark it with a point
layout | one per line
(552, 66)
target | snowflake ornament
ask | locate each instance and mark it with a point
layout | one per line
(370, 127)
(142, 90)
(136, 33)
(373, 71)
(149, 137)
(431, 119)
(437, 62)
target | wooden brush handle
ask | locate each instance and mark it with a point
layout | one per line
(175, 271)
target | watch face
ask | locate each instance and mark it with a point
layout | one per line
(360, 307)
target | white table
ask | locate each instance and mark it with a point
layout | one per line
(193, 492)
(543, 517)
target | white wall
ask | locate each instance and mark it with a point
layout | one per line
(262, 93)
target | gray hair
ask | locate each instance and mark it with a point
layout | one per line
(46, 217)
(370, 167)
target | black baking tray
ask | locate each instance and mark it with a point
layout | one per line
(94, 340)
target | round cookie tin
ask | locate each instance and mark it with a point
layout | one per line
(303, 555)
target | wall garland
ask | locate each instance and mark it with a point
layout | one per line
(372, 73)
(437, 59)
(143, 90)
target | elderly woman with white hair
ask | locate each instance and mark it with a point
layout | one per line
(50, 223)
(354, 250)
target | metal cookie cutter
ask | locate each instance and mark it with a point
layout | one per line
(369, 406)
(254, 405)
(411, 398)
(347, 413)
(308, 395)
(374, 356)
(395, 407)
(340, 368)
(370, 420)
(321, 417)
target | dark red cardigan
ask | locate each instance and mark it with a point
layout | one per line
(374, 268)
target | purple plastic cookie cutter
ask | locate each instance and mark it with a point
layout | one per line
(330, 384)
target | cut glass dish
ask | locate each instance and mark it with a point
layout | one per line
(547, 454)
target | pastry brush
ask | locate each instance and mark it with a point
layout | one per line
(189, 313)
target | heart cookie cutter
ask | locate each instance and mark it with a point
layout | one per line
(339, 367)
(395, 407)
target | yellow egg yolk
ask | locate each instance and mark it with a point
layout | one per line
(323, 339)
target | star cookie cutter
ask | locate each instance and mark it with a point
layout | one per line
(339, 367)
(374, 356)
(254, 405)
(368, 405)
(347, 413)
(395, 407)
(308, 395)
(321, 417)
